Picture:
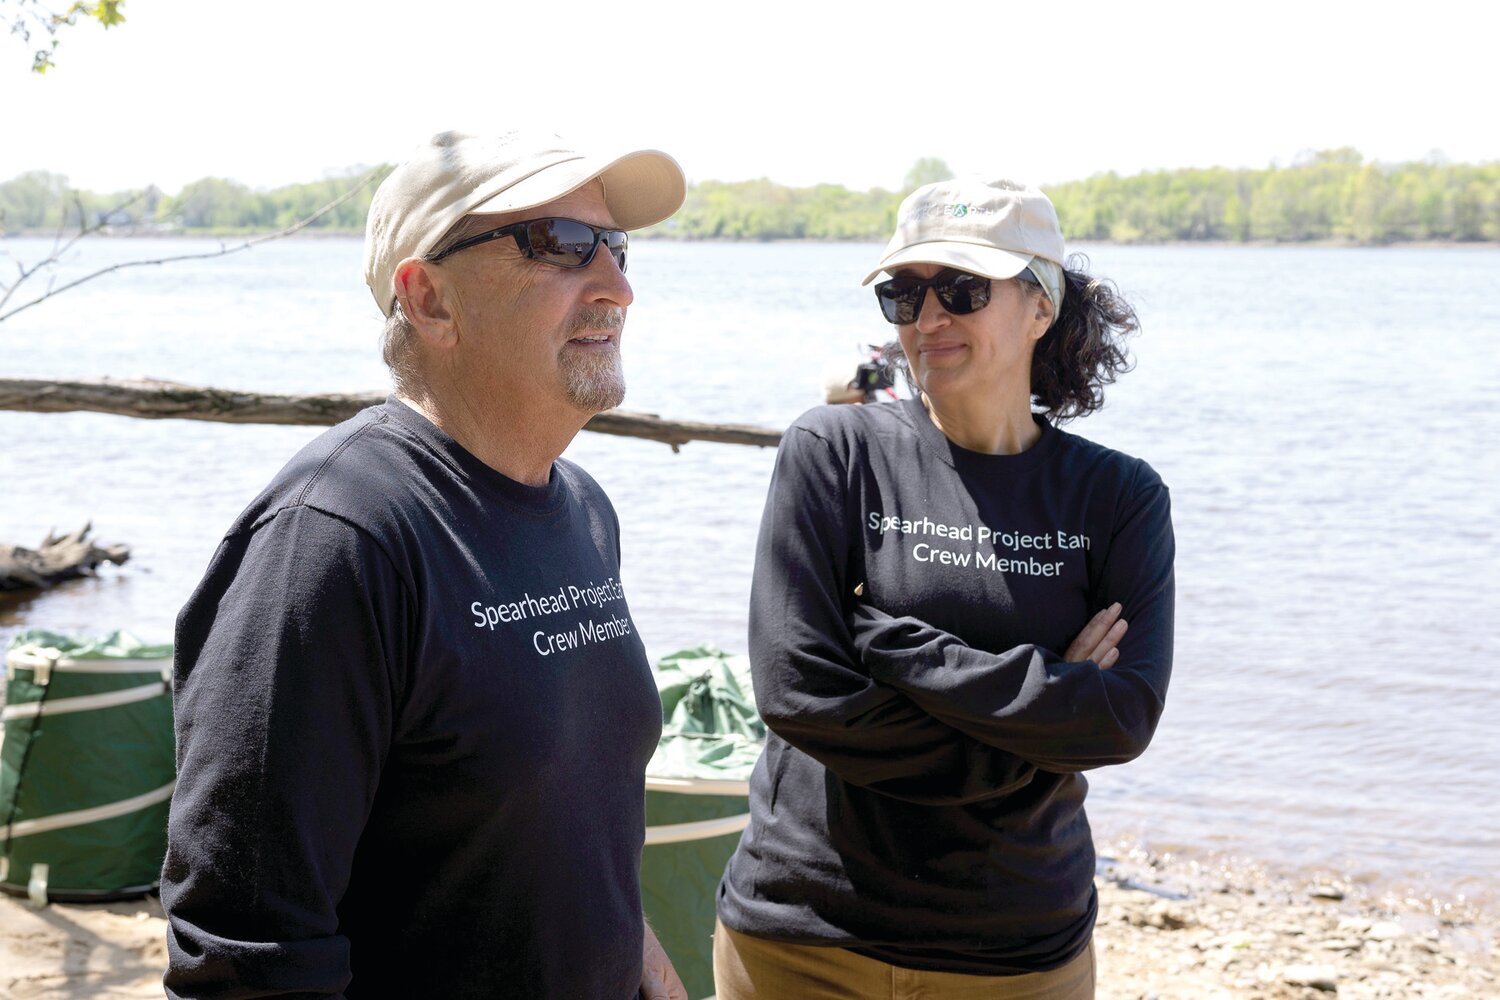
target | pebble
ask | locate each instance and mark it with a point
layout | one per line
(1169, 917)
(1319, 977)
(1235, 939)
(1341, 944)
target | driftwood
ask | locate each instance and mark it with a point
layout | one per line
(60, 557)
(158, 400)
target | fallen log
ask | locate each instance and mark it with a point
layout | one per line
(155, 399)
(59, 558)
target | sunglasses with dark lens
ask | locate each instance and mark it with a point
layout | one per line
(563, 242)
(959, 291)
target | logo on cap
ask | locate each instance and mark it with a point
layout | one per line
(954, 210)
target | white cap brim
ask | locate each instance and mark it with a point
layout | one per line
(640, 188)
(991, 262)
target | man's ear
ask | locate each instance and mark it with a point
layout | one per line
(425, 300)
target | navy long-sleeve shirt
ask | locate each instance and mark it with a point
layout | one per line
(413, 720)
(919, 799)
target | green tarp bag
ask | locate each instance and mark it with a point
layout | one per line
(86, 766)
(697, 788)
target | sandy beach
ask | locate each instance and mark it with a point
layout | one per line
(1169, 929)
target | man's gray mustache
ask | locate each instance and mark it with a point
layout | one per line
(597, 318)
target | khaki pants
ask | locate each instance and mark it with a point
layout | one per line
(751, 968)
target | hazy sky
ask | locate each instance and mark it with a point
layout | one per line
(276, 91)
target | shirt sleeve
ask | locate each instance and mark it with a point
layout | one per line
(1060, 716)
(286, 683)
(810, 686)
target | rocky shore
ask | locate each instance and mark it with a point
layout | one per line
(1172, 929)
(1169, 929)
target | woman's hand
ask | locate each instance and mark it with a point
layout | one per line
(1099, 639)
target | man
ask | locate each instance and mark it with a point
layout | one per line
(413, 711)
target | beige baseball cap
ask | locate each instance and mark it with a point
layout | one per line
(996, 228)
(455, 174)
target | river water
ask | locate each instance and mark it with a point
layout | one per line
(1327, 419)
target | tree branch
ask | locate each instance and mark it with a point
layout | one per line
(154, 399)
(222, 251)
(59, 247)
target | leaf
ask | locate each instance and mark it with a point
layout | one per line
(108, 13)
(42, 60)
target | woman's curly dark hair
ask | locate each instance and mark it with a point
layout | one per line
(1081, 353)
(1084, 349)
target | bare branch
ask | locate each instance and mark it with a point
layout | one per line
(222, 251)
(59, 248)
(158, 400)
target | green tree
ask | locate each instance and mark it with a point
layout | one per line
(216, 203)
(1368, 193)
(927, 170)
(1236, 219)
(1476, 207)
(34, 200)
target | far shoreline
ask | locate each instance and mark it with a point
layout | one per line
(325, 234)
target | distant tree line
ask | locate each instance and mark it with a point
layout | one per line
(762, 210)
(1331, 195)
(39, 201)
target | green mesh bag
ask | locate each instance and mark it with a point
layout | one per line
(697, 788)
(86, 766)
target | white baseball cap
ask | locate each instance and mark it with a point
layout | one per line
(996, 228)
(455, 174)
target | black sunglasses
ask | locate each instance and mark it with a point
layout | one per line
(959, 291)
(563, 242)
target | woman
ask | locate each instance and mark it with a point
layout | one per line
(938, 635)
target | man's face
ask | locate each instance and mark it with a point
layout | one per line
(538, 333)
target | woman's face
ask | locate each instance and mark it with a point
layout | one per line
(983, 353)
